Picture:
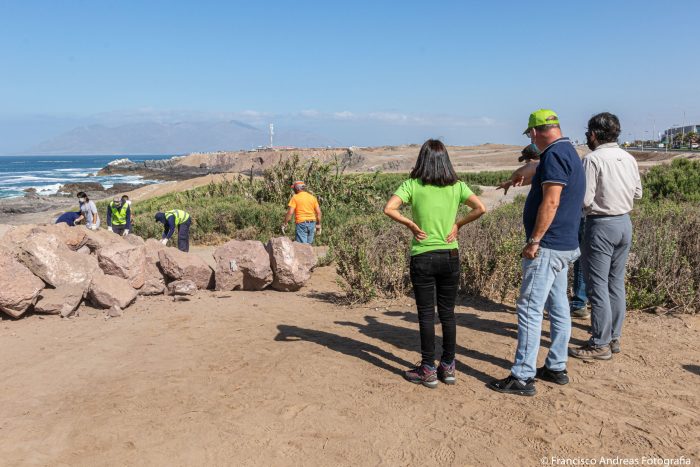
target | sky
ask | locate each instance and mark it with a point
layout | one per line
(361, 72)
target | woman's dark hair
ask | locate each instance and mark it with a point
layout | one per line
(605, 126)
(82, 194)
(433, 166)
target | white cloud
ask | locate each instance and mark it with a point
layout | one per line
(344, 115)
(258, 117)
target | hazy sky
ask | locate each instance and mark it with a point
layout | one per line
(364, 72)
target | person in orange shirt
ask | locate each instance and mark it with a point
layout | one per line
(307, 214)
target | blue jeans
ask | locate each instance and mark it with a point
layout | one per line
(544, 281)
(580, 299)
(305, 232)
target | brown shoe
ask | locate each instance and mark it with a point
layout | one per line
(615, 346)
(588, 352)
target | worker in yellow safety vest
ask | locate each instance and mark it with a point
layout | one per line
(119, 217)
(171, 220)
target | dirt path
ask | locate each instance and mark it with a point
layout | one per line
(269, 378)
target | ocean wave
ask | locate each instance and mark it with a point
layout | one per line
(46, 190)
(29, 178)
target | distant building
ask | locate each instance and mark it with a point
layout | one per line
(681, 130)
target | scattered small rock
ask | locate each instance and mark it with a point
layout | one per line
(182, 287)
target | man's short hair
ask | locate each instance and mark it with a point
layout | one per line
(544, 128)
(605, 126)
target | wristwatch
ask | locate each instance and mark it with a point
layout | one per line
(532, 241)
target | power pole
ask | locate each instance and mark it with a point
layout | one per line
(272, 132)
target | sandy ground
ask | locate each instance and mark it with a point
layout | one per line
(266, 378)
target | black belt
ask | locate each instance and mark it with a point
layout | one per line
(601, 216)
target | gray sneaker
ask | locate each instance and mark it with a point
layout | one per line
(615, 345)
(580, 313)
(589, 352)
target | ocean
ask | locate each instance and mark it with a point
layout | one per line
(47, 173)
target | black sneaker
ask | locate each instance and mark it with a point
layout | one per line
(446, 373)
(615, 346)
(556, 377)
(512, 385)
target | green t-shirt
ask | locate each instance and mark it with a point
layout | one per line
(434, 211)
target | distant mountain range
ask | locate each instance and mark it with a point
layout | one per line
(171, 138)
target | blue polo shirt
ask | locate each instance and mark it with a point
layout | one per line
(68, 218)
(559, 163)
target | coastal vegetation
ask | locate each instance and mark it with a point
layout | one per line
(371, 253)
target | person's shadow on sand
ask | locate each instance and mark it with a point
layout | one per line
(409, 339)
(477, 323)
(345, 345)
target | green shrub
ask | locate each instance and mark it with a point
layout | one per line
(679, 181)
(489, 252)
(372, 256)
(664, 263)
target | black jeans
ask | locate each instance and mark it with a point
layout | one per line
(118, 229)
(183, 236)
(435, 275)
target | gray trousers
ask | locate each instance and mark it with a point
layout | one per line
(606, 245)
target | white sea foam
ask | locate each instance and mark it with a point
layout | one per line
(29, 178)
(119, 162)
(45, 190)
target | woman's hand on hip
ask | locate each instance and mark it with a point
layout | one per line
(453, 234)
(417, 232)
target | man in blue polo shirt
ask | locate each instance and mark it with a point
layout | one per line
(551, 218)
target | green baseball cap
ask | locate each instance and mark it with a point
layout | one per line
(541, 117)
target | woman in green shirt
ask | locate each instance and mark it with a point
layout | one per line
(435, 194)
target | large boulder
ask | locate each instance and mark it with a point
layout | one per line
(134, 239)
(48, 258)
(178, 265)
(100, 238)
(107, 291)
(155, 281)
(291, 263)
(242, 265)
(124, 260)
(64, 300)
(14, 236)
(182, 287)
(73, 237)
(19, 288)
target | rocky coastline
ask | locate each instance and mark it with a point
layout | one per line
(31, 202)
(163, 169)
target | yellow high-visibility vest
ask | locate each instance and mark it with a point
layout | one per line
(118, 215)
(180, 216)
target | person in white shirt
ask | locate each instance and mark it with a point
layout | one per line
(88, 212)
(612, 185)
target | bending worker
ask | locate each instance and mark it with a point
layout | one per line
(119, 217)
(181, 220)
(68, 218)
(307, 214)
